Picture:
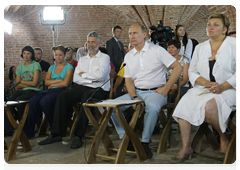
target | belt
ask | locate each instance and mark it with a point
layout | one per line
(147, 89)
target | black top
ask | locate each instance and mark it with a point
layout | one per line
(44, 65)
(211, 64)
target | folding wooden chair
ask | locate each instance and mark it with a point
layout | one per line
(230, 155)
(19, 133)
(76, 112)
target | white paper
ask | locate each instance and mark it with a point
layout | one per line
(117, 102)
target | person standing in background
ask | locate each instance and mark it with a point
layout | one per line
(186, 43)
(115, 48)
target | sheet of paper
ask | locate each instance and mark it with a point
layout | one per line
(116, 102)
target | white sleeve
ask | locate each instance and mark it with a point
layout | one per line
(78, 79)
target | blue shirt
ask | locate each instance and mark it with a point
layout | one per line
(61, 75)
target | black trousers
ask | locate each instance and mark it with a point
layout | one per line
(17, 96)
(65, 100)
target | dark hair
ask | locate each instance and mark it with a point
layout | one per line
(61, 48)
(103, 50)
(30, 49)
(232, 32)
(153, 28)
(116, 27)
(176, 43)
(75, 49)
(38, 48)
(185, 38)
(10, 75)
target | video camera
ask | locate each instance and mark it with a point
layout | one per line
(162, 35)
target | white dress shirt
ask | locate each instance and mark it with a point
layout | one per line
(95, 70)
(147, 68)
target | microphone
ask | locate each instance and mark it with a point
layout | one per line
(6, 92)
(96, 100)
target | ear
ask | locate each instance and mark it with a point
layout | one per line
(224, 30)
(145, 35)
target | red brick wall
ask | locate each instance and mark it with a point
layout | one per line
(83, 19)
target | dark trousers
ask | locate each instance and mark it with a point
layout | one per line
(17, 96)
(42, 102)
(65, 100)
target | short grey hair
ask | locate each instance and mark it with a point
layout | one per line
(95, 34)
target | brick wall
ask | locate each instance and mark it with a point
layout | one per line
(81, 20)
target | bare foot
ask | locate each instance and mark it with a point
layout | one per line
(224, 145)
(183, 152)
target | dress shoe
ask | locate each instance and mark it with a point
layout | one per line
(50, 139)
(220, 155)
(76, 143)
(147, 151)
(188, 156)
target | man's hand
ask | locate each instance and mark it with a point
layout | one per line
(114, 91)
(162, 90)
(134, 106)
(80, 74)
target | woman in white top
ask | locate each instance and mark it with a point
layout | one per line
(186, 43)
(213, 64)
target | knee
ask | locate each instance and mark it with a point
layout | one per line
(210, 111)
(153, 109)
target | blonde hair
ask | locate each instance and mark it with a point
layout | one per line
(224, 18)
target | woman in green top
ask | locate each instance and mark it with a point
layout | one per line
(29, 74)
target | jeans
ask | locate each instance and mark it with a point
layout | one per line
(153, 102)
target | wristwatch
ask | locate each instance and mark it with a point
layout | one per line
(134, 97)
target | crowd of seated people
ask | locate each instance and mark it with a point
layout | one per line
(150, 73)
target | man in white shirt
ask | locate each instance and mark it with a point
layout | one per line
(145, 78)
(91, 72)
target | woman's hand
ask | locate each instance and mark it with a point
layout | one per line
(209, 84)
(218, 89)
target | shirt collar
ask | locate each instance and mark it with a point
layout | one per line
(145, 48)
(115, 38)
(96, 56)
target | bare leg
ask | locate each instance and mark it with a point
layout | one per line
(185, 128)
(211, 117)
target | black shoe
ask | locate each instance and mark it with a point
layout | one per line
(147, 151)
(50, 139)
(76, 143)
(130, 146)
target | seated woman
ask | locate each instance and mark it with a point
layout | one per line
(58, 79)
(30, 75)
(173, 47)
(213, 67)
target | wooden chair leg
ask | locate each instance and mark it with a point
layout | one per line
(230, 155)
(19, 134)
(76, 115)
(43, 127)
